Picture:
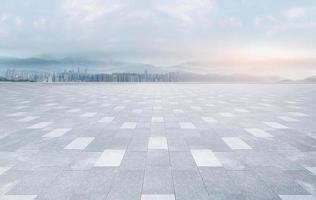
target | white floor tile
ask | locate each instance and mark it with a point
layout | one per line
(276, 125)
(258, 132)
(178, 111)
(17, 114)
(236, 143)
(255, 107)
(265, 104)
(106, 119)
(158, 197)
(19, 197)
(110, 158)
(51, 104)
(296, 197)
(88, 114)
(21, 107)
(288, 119)
(28, 119)
(196, 108)
(157, 119)
(74, 110)
(128, 125)
(298, 114)
(40, 125)
(312, 170)
(292, 102)
(3, 169)
(225, 114)
(209, 119)
(157, 107)
(294, 107)
(24, 102)
(186, 125)
(80, 143)
(157, 143)
(61, 107)
(205, 158)
(117, 108)
(241, 110)
(92, 102)
(57, 132)
(137, 111)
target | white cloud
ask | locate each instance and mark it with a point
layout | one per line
(296, 13)
(8, 23)
(41, 22)
(18, 21)
(3, 18)
(257, 21)
(187, 11)
(301, 13)
(295, 18)
(234, 22)
(265, 21)
(271, 18)
(289, 27)
(144, 15)
(87, 12)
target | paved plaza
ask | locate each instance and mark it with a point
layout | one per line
(86, 141)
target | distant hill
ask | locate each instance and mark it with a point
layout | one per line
(70, 63)
(286, 81)
(310, 79)
(189, 77)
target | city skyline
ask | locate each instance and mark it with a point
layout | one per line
(204, 36)
(83, 75)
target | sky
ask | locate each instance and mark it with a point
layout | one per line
(262, 37)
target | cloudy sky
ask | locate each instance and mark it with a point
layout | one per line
(210, 36)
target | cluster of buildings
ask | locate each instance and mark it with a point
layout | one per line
(77, 76)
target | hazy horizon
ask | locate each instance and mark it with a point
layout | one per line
(203, 36)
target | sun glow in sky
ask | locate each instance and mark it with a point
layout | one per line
(208, 36)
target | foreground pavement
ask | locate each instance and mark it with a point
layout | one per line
(157, 142)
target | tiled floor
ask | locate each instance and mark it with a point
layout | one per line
(157, 141)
